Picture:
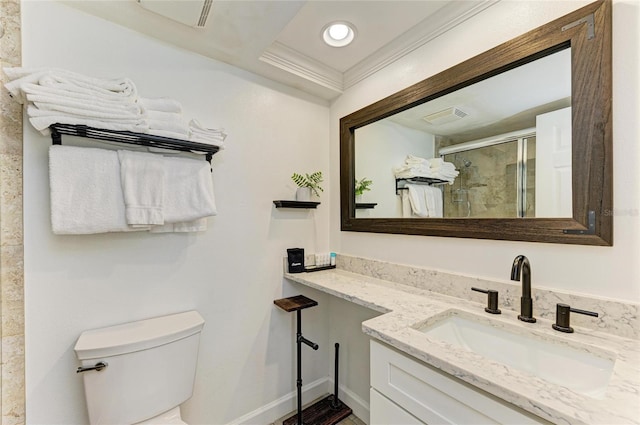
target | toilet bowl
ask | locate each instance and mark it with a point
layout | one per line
(148, 369)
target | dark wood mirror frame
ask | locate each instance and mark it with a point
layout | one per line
(588, 32)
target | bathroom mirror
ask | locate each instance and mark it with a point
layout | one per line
(535, 167)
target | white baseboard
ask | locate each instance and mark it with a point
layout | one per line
(285, 404)
(288, 403)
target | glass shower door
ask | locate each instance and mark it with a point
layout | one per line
(489, 183)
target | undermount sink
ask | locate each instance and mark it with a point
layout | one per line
(585, 370)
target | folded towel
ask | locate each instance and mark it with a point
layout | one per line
(166, 116)
(86, 195)
(44, 109)
(121, 88)
(188, 192)
(90, 103)
(142, 179)
(165, 133)
(163, 104)
(38, 90)
(172, 126)
(209, 136)
(42, 123)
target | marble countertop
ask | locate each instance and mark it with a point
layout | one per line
(405, 308)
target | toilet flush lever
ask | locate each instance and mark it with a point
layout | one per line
(98, 366)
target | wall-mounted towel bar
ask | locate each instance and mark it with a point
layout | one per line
(131, 138)
(402, 183)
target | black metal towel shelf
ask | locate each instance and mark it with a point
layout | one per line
(131, 138)
(401, 183)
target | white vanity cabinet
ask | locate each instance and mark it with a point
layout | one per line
(406, 391)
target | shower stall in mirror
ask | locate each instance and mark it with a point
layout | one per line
(496, 177)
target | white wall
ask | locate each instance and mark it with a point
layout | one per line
(231, 274)
(599, 271)
(380, 147)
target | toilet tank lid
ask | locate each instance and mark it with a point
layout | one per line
(137, 336)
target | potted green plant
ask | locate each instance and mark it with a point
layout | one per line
(362, 186)
(307, 183)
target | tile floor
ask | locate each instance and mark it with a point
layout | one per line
(351, 420)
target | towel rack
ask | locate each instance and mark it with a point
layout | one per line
(402, 183)
(129, 137)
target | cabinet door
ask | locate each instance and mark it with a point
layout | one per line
(435, 397)
(385, 412)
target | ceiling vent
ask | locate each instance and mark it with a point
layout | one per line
(445, 116)
(193, 13)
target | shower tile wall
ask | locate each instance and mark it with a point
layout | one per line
(11, 241)
(486, 185)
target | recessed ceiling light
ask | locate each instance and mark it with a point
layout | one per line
(338, 34)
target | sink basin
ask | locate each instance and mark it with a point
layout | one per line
(585, 370)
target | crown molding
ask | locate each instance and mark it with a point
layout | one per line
(449, 16)
(292, 61)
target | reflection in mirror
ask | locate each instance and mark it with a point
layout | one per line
(501, 148)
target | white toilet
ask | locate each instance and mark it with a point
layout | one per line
(150, 369)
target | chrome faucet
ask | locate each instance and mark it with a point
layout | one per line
(521, 264)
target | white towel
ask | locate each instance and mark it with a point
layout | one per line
(121, 88)
(44, 109)
(209, 136)
(165, 133)
(418, 200)
(91, 104)
(142, 178)
(86, 196)
(163, 104)
(172, 126)
(188, 192)
(407, 211)
(433, 199)
(38, 90)
(42, 123)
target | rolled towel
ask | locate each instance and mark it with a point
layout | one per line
(163, 104)
(86, 195)
(142, 178)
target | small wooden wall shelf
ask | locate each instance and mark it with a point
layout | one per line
(295, 204)
(365, 205)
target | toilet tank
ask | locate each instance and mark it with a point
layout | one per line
(151, 367)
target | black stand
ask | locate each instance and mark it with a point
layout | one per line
(296, 304)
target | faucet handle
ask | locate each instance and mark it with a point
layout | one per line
(563, 315)
(492, 300)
